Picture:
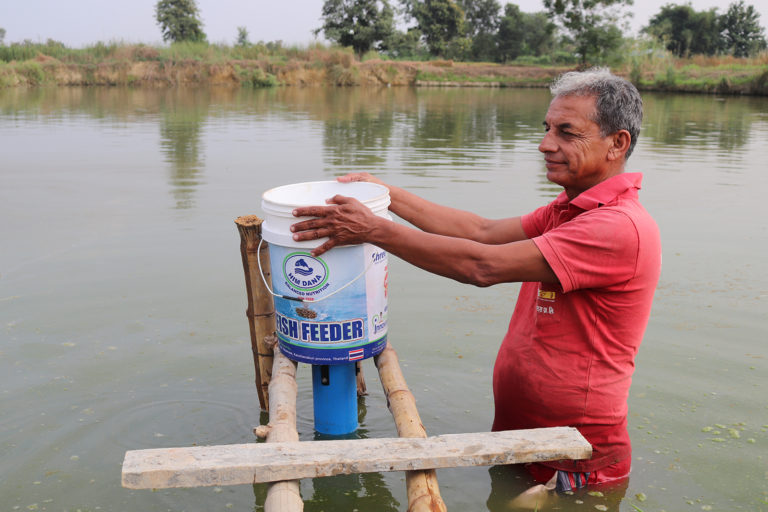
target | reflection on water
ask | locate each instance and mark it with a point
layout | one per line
(369, 492)
(183, 115)
(122, 320)
(695, 120)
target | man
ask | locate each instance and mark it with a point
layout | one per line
(589, 262)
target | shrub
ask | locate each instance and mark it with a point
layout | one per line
(759, 84)
(256, 77)
(32, 71)
(635, 72)
(342, 76)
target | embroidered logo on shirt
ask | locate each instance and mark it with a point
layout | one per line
(547, 295)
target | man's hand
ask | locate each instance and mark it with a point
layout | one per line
(346, 221)
(360, 176)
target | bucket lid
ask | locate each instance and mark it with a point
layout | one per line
(278, 204)
(314, 193)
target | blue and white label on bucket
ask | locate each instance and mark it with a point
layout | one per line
(349, 325)
(305, 275)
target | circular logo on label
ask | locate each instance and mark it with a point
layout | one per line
(303, 272)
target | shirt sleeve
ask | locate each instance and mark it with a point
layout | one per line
(597, 249)
(535, 223)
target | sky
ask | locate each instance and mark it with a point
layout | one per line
(78, 23)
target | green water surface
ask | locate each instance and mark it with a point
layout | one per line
(122, 298)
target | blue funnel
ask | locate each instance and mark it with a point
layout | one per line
(334, 392)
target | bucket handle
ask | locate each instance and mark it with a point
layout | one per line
(299, 299)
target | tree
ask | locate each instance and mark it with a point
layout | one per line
(361, 24)
(441, 21)
(2, 35)
(685, 31)
(592, 24)
(741, 30)
(522, 33)
(242, 37)
(179, 20)
(403, 45)
(481, 23)
(480, 16)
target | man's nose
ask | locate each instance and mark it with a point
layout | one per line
(547, 144)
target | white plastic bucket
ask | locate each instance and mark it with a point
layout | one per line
(352, 323)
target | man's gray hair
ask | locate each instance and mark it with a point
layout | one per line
(618, 104)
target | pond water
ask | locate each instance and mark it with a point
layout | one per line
(122, 298)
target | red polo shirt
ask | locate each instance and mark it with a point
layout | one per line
(568, 355)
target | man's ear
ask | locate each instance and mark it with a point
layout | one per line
(620, 146)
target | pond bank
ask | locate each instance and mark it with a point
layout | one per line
(341, 69)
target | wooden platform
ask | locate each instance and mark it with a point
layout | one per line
(270, 462)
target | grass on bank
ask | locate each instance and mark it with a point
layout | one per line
(261, 65)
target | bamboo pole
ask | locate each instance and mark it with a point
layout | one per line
(283, 496)
(362, 389)
(422, 488)
(261, 308)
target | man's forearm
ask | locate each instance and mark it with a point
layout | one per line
(435, 218)
(463, 260)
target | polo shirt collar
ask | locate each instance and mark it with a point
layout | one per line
(604, 192)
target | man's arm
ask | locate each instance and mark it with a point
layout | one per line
(347, 222)
(443, 220)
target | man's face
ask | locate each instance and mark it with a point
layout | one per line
(575, 153)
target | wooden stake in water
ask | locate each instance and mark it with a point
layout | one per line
(261, 306)
(283, 496)
(423, 491)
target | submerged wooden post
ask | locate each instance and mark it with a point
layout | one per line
(283, 496)
(261, 306)
(422, 488)
(362, 389)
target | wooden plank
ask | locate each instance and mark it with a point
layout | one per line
(199, 466)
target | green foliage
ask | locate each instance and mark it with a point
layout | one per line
(510, 81)
(256, 77)
(6, 76)
(372, 55)
(102, 50)
(481, 23)
(759, 84)
(459, 48)
(29, 50)
(521, 33)
(406, 45)
(440, 21)
(685, 31)
(2, 35)
(741, 31)
(32, 72)
(343, 75)
(480, 16)
(361, 24)
(555, 58)
(593, 25)
(179, 20)
(635, 72)
(511, 33)
(242, 37)
(669, 78)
